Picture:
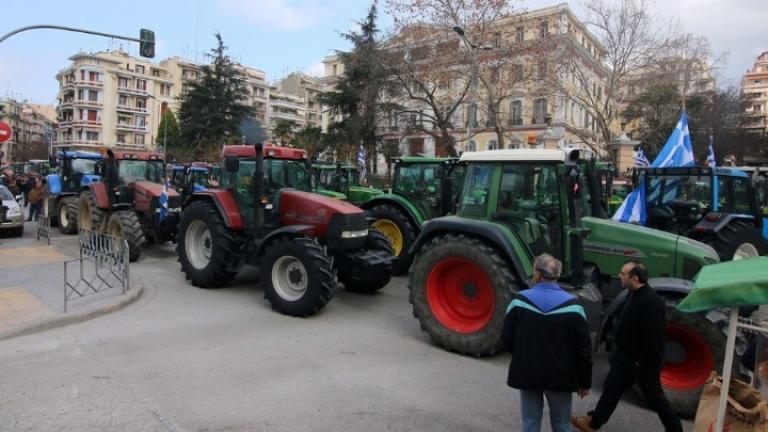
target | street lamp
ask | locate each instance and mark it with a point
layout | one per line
(471, 109)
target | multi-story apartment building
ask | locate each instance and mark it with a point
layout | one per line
(109, 99)
(307, 88)
(754, 85)
(258, 90)
(333, 70)
(287, 107)
(33, 128)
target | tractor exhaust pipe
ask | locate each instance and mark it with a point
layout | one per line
(258, 190)
(576, 233)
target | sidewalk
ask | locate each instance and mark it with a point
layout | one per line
(32, 285)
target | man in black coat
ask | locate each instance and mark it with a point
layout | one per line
(546, 332)
(639, 354)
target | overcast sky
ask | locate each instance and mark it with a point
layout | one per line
(280, 36)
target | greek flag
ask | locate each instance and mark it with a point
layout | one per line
(361, 161)
(677, 152)
(641, 160)
(164, 201)
(711, 155)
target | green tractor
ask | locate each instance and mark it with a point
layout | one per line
(516, 204)
(344, 179)
(422, 189)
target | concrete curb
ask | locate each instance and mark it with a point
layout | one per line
(64, 319)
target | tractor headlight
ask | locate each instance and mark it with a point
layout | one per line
(354, 234)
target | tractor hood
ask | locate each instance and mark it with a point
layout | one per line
(320, 212)
(150, 189)
(611, 243)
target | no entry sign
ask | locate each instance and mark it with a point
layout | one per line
(6, 133)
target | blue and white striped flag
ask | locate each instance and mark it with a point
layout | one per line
(163, 201)
(711, 162)
(677, 152)
(361, 161)
(641, 160)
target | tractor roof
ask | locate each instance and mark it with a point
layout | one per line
(270, 151)
(521, 155)
(193, 168)
(79, 155)
(332, 166)
(137, 155)
(696, 171)
(421, 160)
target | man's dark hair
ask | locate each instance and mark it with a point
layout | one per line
(638, 270)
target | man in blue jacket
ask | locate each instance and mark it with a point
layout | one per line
(546, 332)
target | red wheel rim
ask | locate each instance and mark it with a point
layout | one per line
(688, 359)
(460, 295)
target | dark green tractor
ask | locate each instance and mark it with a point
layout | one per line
(517, 204)
(422, 189)
(344, 179)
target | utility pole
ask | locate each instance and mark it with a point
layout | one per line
(146, 38)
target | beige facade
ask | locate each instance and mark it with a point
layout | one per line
(307, 88)
(755, 85)
(287, 107)
(32, 124)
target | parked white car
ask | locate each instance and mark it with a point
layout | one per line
(14, 218)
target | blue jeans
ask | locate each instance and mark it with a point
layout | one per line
(532, 407)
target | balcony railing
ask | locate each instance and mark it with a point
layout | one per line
(65, 123)
(66, 104)
(132, 90)
(131, 146)
(87, 103)
(515, 121)
(87, 123)
(131, 109)
(130, 127)
(89, 83)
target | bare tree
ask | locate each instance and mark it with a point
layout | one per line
(633, 40)
(431, 66)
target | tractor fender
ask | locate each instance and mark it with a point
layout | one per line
(714, 222)
(490, 233)
(664, 286)
(225, 202)
(401, 204)
(100, 195)
(286, 231)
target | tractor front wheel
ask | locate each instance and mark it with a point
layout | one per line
(67, 215)
(298, 276)
(398, 228)
(738, 240)
(460, 288)
(125, 224)
(361, 282)
(205, 246)
(89, 217)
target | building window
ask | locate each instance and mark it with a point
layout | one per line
(493, 145)
(92, 136)
(516, 113)
(335, 68)
(539, 110)
(141, 84)
(543, 29)
(140, 69)
(138, 139)
(121, 138)
(93, 76)
(93, 115)
(542, 69)
(520, 34)
(122, 82)
(93, 96)
(81, 94)
(141, 103)
(123, 101)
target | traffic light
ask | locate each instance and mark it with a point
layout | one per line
(147, 44)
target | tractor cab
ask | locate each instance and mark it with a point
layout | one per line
(423, 181)
(343, 179)
(190, 178)
(73, 172)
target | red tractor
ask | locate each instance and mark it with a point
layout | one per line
(129, 202)
(265, 215)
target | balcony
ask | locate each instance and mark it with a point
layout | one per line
(130, 146)
(515, 121)
(130, 109)
(65, 123)
(132, 90)
(87, 123)
(88, 83)
(287, 116)
(85, 143)
(131, 127)
(66, 104)
(286, 104)
(87, 103)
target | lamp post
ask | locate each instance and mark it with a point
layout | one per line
(471, 109)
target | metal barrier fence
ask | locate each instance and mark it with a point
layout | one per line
(44, 228)
(103, 265)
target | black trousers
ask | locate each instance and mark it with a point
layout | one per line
(622, 375)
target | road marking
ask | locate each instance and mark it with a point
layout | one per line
(24, 256)
(17, 307)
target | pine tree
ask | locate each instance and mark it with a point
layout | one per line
(168, 130)
(213, 108)
(357, 94)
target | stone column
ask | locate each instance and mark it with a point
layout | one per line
(622, 150)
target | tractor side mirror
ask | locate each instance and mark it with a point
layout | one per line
(574, 188)
(187, 170)
(97, 169)
(231, 164)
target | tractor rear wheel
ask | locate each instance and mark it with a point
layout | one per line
(695, 346)
(125, 224)
(205, 246)
(89, 217)
(460, 288)
(298, 276)
(738, 240)
(368, 283)
(67, 215)
(398, 228)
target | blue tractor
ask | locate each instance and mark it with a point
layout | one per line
(718, 206)
(190, 178)
(75, 170)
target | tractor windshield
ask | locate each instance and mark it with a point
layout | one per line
(131, 171)
(80, 166)
(286, 174)
(420, 183)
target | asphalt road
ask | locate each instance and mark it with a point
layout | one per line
(183, 358)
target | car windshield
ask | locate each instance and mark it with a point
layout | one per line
(5, 194)
(132, 171)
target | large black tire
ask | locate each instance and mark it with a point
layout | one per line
(206, 262)
(298, 276)
(368, 283)
(125, 224)
(460, 288)
(738, 240)
(694, 346)
(400, 224)
(17, 232)
(89, 217)
(66, 214)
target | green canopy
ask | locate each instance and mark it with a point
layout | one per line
(731, 283)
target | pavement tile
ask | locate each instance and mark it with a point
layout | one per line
(17, 307)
